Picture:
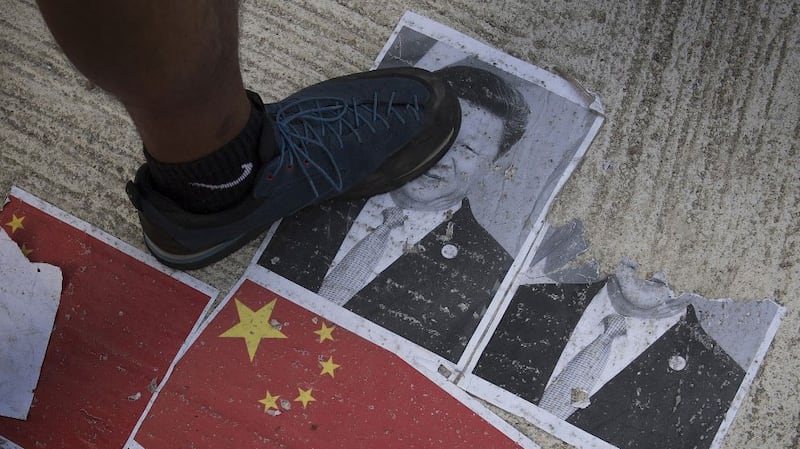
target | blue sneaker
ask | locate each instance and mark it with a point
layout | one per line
(355, 136)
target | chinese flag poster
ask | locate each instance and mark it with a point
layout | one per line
(118, 328)
(266, 372)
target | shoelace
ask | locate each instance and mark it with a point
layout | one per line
(305, 123)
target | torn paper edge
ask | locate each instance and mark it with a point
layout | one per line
(126, 248)
(351, 322)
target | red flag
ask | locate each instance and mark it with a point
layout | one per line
(266, 372)
(119, 325)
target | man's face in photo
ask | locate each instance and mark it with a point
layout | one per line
(470, 157)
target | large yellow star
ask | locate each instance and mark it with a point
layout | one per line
(325, 333)
(328, 367)
(15, 223)
(253, 326)
(270, 401)
(304, 396)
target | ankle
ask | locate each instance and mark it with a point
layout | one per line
(187, 129)
(217, 180)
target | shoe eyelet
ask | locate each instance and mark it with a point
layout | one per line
(270, 177)
(306, 162)
(290, 167)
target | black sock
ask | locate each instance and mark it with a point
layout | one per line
(219, 180)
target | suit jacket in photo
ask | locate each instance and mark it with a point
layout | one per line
(648, 404)
(432, 300)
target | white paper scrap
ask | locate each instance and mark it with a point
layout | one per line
(29, 297)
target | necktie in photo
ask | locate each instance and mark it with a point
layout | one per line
(573, 385)
(351, 273)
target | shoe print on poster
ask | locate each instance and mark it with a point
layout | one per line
(265, 371)
(120, 323)
(468, 220)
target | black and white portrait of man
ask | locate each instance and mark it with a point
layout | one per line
(623, 358)
(426, 260)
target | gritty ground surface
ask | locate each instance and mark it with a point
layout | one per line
(695, 173)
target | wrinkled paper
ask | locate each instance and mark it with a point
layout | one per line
(29, 297)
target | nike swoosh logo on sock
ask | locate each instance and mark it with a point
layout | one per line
(246, 170)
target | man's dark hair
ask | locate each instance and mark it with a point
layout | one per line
(487, 90)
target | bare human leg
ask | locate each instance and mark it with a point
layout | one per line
(174, 66)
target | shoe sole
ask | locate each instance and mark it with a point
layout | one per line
(203, 258)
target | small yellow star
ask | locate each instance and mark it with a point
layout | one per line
(328, 367)
(25, 250)
(15, 223)
(253, 326)
(270, 401)
(304, 396)
(325, 333)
